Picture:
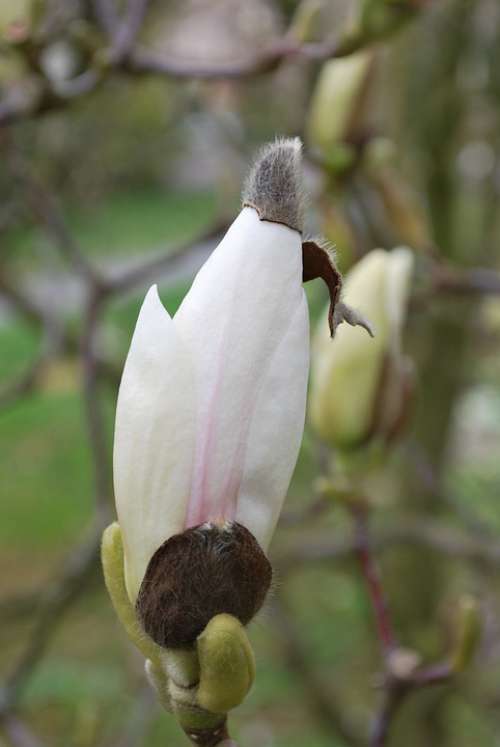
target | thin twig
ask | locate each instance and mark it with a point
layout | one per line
(395, 693)
(434, 535)
(125, 58)
(54, 340)
(166, 262)
(23, 303)
(46, 209)
(24, 383)
(330, 713)
(20, 605)
(79, 568)
(283, 50)
(371, 575)
(96, 424)
(106, 15)
(128, 30)
(17, 732)
(475, 281)
(313, 510)
(393, 697)
(145, 62)
(398, 685)
(444, 281)
(66, 340)
(213, 737)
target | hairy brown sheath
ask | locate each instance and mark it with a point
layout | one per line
(318, 262)
(204, 571)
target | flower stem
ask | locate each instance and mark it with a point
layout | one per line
(371, 574)
(216, 736)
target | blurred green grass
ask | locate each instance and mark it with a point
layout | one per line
(44, 450)
(43, 439)
(125, 223)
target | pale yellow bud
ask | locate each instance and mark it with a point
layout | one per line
(15, 20)
(306, 21)
(227, 665)
(468, 633)
(338, 101)
(358, 384)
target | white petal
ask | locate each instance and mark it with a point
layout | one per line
(154, 439)
(275, 432)
(234, 321)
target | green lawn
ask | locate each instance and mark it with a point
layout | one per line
(126, 223)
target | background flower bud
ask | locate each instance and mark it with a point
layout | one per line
(468, 632)
(306, 21)
(15, 19)
(337, 105)
(358, 386)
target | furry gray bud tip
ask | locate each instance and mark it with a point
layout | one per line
(274, 185)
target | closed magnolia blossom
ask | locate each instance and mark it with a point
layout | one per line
(360, 392)
(210, 417)
(209, 422)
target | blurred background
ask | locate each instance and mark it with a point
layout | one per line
(125, 132)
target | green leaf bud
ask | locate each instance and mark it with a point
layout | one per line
(227, 666)
(114, 577)
(469, 633)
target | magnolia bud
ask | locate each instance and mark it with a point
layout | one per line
(306, 21)
(227, 664)
(359, 388)
(468, 633)
(337, 105)
(15, 21)
(209, 421)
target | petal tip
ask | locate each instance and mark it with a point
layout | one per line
(152, 302)
(152, 293)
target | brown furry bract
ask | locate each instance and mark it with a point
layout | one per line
(318, 262)
(204, 571)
